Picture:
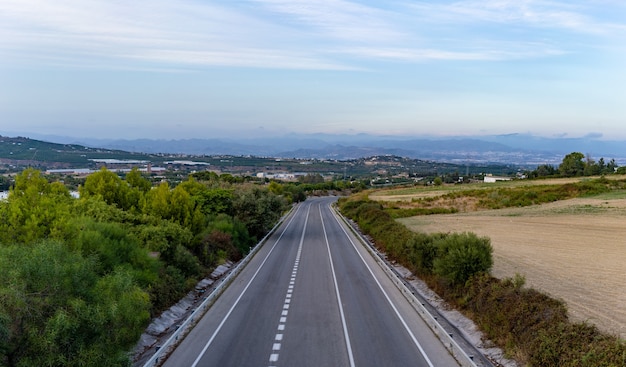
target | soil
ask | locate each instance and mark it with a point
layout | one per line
(573, 250)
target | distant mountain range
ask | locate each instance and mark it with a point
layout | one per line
(519, 149)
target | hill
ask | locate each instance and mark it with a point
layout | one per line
(20, 152)
(520, 149)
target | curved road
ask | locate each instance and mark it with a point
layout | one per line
(312, 296)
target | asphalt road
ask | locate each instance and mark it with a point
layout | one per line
(312, 296)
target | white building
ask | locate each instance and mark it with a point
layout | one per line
(489, 178)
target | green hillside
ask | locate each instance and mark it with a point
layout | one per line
(30, 150)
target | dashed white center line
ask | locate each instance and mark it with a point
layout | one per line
(283, 319)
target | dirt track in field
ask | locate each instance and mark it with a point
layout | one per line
(574, 250)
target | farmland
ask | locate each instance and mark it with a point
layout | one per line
(571, 249)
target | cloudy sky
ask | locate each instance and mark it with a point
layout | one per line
(202, 68)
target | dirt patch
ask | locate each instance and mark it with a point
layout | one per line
(573, 250)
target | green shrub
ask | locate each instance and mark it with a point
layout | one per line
(576, 345)
(422, 252)
(462, 255)
(412, 212)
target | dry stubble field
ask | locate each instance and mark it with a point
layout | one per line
(574, 250)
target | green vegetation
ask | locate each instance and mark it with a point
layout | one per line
(529, 326)
(5, 183)
(81, 277)
(534, 327)
(453, 258)
(396, 212)
(524, 196)
(576, 164)
(58, 309)
(41, 154)
(504, 196)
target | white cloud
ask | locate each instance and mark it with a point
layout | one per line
(295, 34)
(575, 16)
(493, 53)
(338, 19)
(179, 33)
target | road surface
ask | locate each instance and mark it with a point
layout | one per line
(312, 296)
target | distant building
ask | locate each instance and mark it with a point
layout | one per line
(188, 163)
(118, 161)
(489, 178)
(283, 176)
(70, 171)
(87, 171)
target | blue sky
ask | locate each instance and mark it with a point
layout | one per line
(192, 68)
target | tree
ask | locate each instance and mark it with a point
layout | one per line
(205, 176)
(138, 186)
(611, 167)
(107, 185)
(216, 201)
(295, 192)
(258, 209)
(591, 167)
(223, 233)
(181, 207)
(5, 183)
(311, 178)
(158, 201)
(136, 180)
(602, 166)
(544, 170)
(572, 165)
(35, 209)
(276, 188)
(111, 243)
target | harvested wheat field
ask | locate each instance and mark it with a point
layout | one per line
(574, 250)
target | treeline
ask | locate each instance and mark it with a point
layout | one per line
(81, 278)
(529, 326)
(577, 164)
(312, 184)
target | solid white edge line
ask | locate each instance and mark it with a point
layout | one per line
(343, 318)
(406, 327)
(195, 363)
